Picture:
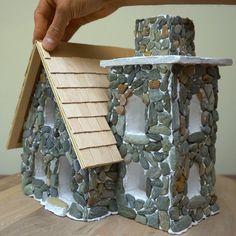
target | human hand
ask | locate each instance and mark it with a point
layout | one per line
(58, 20)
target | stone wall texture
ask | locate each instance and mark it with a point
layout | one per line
(168, 150)
(165, 152)
(164, 35)
(93, 189)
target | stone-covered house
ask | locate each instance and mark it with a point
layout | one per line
(141, 144)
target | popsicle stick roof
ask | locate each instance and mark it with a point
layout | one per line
(79, 85)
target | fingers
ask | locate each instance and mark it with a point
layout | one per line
(42, 16)
(58, 20)
(70, 30)
(56, 30)
(74, 25)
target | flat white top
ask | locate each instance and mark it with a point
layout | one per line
(167, 59)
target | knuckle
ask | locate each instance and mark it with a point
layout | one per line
(36, 13)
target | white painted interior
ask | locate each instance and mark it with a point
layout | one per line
(65, 173)
(135, 181)
(194, 115)
(135, 116)
(57, 210)
(194, 185)
(49, 112)
(39, 167)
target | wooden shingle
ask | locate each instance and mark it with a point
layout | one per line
(79, 86)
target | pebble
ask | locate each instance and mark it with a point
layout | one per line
(123, 100)
(146, 99)
(162, 203)
(28, 189)
(123, 151)
(180, 184)
(164, 118)
(164, 220)
(174, 213)
(137, 83)
(79, 199)
(122, 88)
(153, 220)
(135, 157)
(155, 95)
(97, 211)
(165, 168)
(153, 146)
(197, 202)
(136, 139)
(120, 110)
(166, 145)
(131, 77)
(175, 116)
(160, 129)
(196, 137)
(153, 173)
(113, 205)
(131, 200)
(126, 212)
(76, 211)
(144, 163)
(149, 157)
(128, 69)
(154, 84)
(182, 224)
(120, 126)
(141, 219)
(138, 204)
(53, 192)
(156, 137)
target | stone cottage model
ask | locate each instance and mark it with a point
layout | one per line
(157, 118)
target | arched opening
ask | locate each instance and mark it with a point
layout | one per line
(194, 185)
(39, 167)
(135, 121)
(135, 181)
(49, 112)
(64, 179)
(195, 112)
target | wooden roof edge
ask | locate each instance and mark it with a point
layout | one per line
(86, 51)
(85, 166)
(15, 138)
(38, 57)
(58, 101)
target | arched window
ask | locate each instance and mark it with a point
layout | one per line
(194, 185)
(135, 121)
(135, 181)
(65, 174)
(195, 112)
(49, 112)
(39, 167)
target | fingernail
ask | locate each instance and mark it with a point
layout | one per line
(48, 43)
(48, 40)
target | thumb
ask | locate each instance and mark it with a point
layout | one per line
(56, 30)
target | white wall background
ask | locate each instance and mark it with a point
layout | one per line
(215, 36)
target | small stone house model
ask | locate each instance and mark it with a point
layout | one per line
(141, 144)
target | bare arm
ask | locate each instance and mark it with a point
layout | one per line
(58, 20)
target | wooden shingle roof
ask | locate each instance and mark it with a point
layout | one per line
(80, 87)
